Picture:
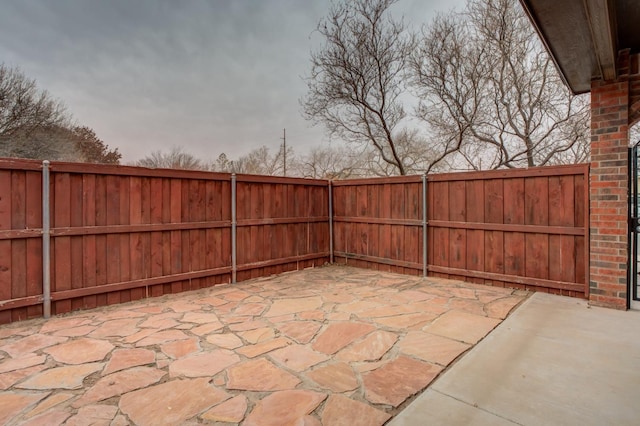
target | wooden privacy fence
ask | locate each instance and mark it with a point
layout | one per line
(114, 234)
(519, 228)
(124, 233)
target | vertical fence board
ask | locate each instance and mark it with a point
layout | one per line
(514, 201)
(19, 247)
(536, 201)
(34, 246)
(77, 243)
(5, 245)
(89, 254)
(61, 246)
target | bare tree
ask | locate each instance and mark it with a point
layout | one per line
(91, 149)
(356, 78)
(41, 143)
(24, 107)
(490, 92)
(328, 162)
(59, 143)
(259, 161)
(34, 125)
(176, 158)
(415, 152)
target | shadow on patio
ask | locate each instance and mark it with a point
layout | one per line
(321, 346)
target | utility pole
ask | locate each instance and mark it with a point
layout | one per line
(284, 152)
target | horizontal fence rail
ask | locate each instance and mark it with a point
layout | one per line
(118, 233)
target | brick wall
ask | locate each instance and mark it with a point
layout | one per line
(615, 105)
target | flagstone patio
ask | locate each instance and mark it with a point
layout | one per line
(331, 345)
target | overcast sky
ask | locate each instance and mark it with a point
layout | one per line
(213, 76)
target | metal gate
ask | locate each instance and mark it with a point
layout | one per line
(634, 226)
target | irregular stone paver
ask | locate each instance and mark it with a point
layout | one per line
(50, 418)
(76, 331)
(297, 357)
(339, 335)
(358, 306)
(31, 344)
(264, 347)
(257, 335)
(28, 360)
(414, 296)
(300, 331)
(180, 348)
(12, 331)
(462, 326)
(120, 383)
(432, 348)
(127, 358)
(93, 415)
(181, 306)
(383, 335)
(397, 380)
(282, 318)
(338, 377)
(226, 340)
(200, 317)
(251, 309)
(338, 316)
(162, 337)
(292, 306)
(69, 377)
(284, 408)
(56, 324)
(80, 351)
(115, 328)
(119, 314)
(170, 403)
(370, 348)
(13, 403)
(468, 305)
(309, 421)
(139, 335)
(500, 308)
(340, 410)
(316, 315)
(205, 329)
(12, 377)
(260, 375)
(119, 420)
(248, 325)
(213, 301)
(231, 411)
(203, 364)
(402, 322)
(236, 296)
(50, 402)
(159, 322)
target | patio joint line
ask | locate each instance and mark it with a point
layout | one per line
(474, 405)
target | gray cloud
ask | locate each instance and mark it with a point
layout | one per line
(213, 76)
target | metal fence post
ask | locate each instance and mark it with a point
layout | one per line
(330, 222)
(46, 241)
(424, 225)
(234, 265)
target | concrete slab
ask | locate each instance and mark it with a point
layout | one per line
(445, 410)
(555, 360)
